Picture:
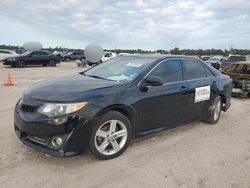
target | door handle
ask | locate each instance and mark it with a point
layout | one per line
(183, 89)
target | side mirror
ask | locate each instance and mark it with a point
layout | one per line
(152, 81)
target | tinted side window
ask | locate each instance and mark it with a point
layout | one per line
(36, 53)
(194, 69)
(169, 71)
(43, 53)
(209, 72)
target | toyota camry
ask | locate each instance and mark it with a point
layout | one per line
(103, 108)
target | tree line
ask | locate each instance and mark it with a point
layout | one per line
(175, 51)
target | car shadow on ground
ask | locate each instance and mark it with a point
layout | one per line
(86, 158)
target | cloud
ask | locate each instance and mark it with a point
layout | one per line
(6, 2)
(152, 24)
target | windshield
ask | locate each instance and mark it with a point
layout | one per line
(121, 69)
(26, 53)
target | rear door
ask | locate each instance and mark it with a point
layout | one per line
(202, 87)
(45, 57)
(163, 105)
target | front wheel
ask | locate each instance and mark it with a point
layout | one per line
(21, 64)
(214, 111)
(52, 63)
(110, 136)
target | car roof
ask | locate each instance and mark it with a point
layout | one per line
(157, 56)
(41, 51)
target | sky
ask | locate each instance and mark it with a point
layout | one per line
(127, 24)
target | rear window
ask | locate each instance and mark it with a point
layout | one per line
(194, 69)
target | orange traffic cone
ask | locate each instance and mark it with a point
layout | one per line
(9, 81)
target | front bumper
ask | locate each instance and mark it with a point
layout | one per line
(37, 133)
(9, 62)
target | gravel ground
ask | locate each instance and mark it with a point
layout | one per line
(194, 155)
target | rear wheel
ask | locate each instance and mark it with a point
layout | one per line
(214, 111)
(21, 64)
(110, 136)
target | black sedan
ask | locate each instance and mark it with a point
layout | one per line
(32, 58)
(126, 97)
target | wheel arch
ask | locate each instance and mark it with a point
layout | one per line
(127, 111)
(223, 100)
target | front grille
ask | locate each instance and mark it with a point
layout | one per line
(28, 108)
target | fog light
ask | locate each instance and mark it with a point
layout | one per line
(56, 141)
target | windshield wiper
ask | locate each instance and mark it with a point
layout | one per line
(94, 76)
(98, 77)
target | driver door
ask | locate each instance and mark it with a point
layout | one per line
(34, 58)
(165, 105)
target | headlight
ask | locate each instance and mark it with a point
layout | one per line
(52, 109)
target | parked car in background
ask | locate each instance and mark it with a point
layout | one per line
(232, 59)
(240, 74)
(6, 53)
(215, 61)
(76, 55)
(32, 58)
(205, 57)
(126, 97)
(58, 54)
(108, 55)
(20, 50)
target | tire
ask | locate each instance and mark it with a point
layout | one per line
(52, 63)
(110, 136)
(21, 64)
(214, 111)
(67, 59)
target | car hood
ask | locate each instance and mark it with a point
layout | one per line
(68, 88)
(15, 56)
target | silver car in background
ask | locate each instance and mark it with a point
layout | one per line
(6, 53)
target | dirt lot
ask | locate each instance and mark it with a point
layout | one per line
(195, 155)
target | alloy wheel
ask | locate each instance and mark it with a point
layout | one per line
(217, 110)
(111, 137)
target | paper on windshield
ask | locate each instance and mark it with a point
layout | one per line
(130, 64)
(118, 78)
